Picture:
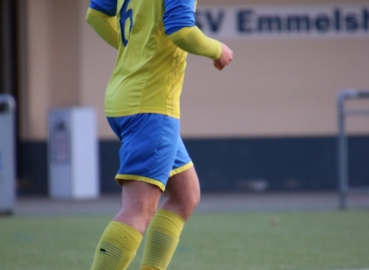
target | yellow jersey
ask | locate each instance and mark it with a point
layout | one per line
(149, 69)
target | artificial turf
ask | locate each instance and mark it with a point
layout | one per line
(326, 240)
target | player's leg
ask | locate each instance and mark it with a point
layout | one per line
(148, 142)
(181, 196)
(182, 193)
(139, 204)
(122, 237)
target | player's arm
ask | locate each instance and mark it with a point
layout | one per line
(101, 15)
(179, 24)
(192, 40)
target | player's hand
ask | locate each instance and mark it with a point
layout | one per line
(225, 58)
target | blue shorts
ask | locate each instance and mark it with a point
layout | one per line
(151, 148)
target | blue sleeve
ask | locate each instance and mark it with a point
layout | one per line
(178, 14)
(109, 7)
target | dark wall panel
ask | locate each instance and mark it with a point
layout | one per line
(228, 165)
(32, 168)
(265, 164)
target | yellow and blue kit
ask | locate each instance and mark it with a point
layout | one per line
(152, 39)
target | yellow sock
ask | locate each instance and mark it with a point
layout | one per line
(162, 238)
(117, 247)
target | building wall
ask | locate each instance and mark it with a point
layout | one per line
(274, 88)
(51, 73)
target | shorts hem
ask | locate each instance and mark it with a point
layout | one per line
(181, 169)
(119, 178)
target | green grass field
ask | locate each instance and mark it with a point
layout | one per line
(238, 241)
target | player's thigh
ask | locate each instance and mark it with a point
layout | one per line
(140, 197)
(184, 186)
(182, 193)
(139, 204)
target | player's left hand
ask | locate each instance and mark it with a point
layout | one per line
(225, 58)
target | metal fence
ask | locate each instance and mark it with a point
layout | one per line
(343, 170)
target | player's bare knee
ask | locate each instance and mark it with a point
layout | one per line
(137, 216)
(183, 206)
(194, 199)
(145, 209)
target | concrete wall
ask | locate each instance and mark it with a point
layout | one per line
(274, 87)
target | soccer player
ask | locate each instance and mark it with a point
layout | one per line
(142, 108)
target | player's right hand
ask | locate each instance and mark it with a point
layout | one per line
(225, 58)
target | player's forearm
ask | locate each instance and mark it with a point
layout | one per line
(104, 25)
(192, 40)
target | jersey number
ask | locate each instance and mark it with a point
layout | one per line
(126, 21)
